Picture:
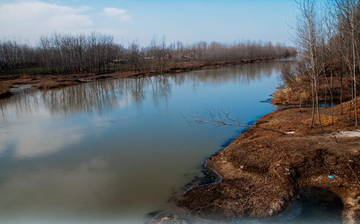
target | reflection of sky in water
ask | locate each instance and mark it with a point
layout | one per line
(46, 110)
(116, 150)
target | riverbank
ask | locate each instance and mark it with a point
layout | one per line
(262, 171)
(4, 90)
(45, 82)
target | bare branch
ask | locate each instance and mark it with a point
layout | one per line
(224, 118)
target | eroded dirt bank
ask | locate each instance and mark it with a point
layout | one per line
(263, 171)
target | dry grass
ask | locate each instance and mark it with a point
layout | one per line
(25, 76)
(4, 89)
(289, 96)
(51, 84)
(346, 107)
(326, 120)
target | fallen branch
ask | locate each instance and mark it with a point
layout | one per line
(225, 119)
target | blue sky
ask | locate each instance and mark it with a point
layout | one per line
(185, 20)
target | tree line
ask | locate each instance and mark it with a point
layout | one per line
(99, 53)
(327, 67)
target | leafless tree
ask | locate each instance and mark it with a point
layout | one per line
(348, 16)
(308, 41)
(98, 53)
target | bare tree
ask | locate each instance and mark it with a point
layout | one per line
(98, 53)
(347, 10)
(308, 40)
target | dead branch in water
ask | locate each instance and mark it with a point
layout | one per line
(224, 118)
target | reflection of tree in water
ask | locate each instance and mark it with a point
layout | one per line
(101, 96)
(161, 88)
(90, 97)
(97, 96)
(24, 102)
(137, 89)
(237, 74)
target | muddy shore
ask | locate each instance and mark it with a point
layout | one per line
(262, 171)
(45, 82)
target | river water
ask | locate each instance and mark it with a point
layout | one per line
(114, 151)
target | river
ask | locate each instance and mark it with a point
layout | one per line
(113, 151)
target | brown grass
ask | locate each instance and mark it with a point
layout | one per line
(289, 96)
(51, 84)
(326, 120)
(346, 107)
(4, 89)
(49, 81)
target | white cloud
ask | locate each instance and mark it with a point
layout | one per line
(30, 19)
(120, 15)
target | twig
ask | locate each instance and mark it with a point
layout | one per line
(347, 159)
(225, 119)
(357, 178)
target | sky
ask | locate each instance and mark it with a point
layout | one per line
(188, 21)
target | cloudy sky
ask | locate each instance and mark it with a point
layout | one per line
(185, 20)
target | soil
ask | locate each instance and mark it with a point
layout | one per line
(262, 170)
(45, 82)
